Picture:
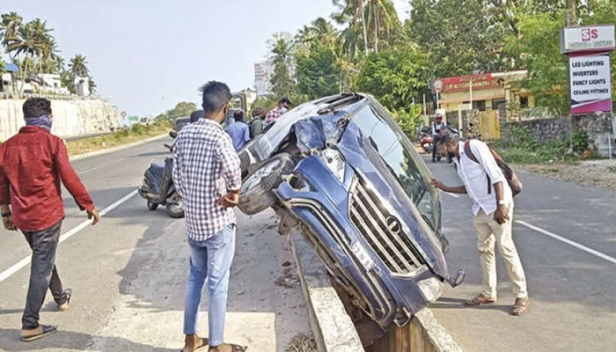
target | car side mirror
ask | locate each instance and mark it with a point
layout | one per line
(173, 134)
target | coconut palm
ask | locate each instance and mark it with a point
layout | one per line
(381, 15)
(78, 66)
(351, 12)
(9, 29)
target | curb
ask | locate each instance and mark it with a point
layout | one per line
(439, 338)
(115, 149)
(332, 328)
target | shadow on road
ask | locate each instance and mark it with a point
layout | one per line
(68, 340)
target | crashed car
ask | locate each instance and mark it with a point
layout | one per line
(341, 171)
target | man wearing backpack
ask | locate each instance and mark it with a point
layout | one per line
(488, 181)
(256, 124)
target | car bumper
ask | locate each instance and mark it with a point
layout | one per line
(324, 206)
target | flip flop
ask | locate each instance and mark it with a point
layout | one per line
(237, 348)
(202, 347)
(46, 330)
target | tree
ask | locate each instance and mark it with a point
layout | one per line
(281, 49)
(351, 13)
(182, 109)
(382, 18)
(395, 77)
(9, 29)
(78, 66)
(317, 72)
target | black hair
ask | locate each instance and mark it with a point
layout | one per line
(36, 107)
(284, 100)
(238, 115)
(447, 137)
(215, 96)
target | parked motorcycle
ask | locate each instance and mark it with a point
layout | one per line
(158, 188)
(426, 140)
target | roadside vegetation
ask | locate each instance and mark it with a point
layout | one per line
(133, 134)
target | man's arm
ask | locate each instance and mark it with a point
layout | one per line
(176, 173)
(247, 134)
(231, 165)
(70, 179)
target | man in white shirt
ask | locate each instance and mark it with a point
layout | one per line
(485, 183)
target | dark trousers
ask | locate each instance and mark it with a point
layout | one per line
(435, 153)
(43, 273)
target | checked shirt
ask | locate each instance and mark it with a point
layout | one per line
(205, 167)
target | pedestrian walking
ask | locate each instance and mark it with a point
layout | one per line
(487, 186)
(33, 163)
(239, 131)
(207, 176)
(283, 106)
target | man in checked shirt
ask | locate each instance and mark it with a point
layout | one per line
(207, 175)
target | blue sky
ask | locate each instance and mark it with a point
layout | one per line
(147, 55)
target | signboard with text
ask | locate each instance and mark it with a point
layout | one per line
(463, 83)
(590, 83)
(598, 38)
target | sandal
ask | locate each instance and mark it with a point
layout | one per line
(234, 348)
(520, 306)
(203, 346)
(37, 333)
(479, 300)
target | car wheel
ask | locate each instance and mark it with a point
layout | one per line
(152, 206)
(256, 192)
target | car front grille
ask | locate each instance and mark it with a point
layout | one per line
(382, 231)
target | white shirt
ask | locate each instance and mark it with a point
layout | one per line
(475, 177)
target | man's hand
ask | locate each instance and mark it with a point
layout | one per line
(229, 200)
(501, 215)
(438, 184)
(7, 221)
(93, 214)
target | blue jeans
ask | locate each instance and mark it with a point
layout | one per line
(210, 259)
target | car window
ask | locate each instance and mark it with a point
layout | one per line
(390, 146)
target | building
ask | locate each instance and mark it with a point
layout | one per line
(483, 92)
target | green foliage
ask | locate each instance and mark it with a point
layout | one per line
(138, 129)
(182, 109)
(395, 77)
(408, 120)
(317, 73)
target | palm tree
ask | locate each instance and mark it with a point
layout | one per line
(9, 29)
(351, 12)
(78, 66)
(381, 14)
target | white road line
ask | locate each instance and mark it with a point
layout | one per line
(569, 242)
(115, 161)
(451, 194)
(87, 170)
(24, 262)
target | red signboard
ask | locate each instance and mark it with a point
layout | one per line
(463, 83)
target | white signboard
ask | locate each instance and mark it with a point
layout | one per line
(262, 78)
(589, 78)
(590, 38)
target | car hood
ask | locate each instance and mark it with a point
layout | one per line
(322, 131)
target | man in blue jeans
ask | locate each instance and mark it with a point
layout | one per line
(207, 175)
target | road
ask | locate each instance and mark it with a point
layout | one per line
(128, 273)
(566, 237)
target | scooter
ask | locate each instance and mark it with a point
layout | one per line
(426, 140)
(158, 189)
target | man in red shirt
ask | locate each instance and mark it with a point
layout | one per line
(32, 165)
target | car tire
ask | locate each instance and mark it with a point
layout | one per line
(257, 191)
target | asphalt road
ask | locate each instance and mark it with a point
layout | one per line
(566, 237)
(128, 273)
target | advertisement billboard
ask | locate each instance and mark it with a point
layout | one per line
(590, 83)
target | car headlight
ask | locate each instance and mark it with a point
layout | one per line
(431, 288)
(335, 162)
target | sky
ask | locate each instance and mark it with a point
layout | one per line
(147, 55)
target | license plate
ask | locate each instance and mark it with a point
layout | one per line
(362, 255)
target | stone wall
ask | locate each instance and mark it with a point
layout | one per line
(71, 117)
(599, 128)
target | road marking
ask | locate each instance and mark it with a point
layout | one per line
(115, 161)
(24, 262)
(569, 242)
(87, 170)
(451, 194)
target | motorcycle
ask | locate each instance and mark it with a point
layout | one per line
(426, 140)
(158, 188)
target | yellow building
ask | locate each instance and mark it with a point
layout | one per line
(483, 92)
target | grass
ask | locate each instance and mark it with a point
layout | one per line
(122, 137)
(302, 343)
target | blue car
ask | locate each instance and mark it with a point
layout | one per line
(342, 172)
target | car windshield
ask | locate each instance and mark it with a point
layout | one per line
(395, 149)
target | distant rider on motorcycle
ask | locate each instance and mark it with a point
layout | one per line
(437, 127)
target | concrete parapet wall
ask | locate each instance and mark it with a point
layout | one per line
(71, 117)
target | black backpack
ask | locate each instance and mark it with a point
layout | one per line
(510, 176)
